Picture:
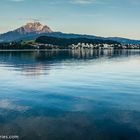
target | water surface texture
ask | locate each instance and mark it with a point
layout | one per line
(70, 95)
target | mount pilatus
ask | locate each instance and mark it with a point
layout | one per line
(26, 31)
(33, 30)
(35, 27)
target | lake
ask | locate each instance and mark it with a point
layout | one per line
(70, 94)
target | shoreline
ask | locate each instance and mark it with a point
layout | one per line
(43, 50)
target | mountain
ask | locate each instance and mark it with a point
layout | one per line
(32, 31)
(124, 40)
(28, 30)
(36, 27)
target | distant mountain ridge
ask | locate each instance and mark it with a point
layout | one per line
(33, 30)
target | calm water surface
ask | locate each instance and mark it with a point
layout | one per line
(70, 95)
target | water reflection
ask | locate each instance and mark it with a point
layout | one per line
(70, 95)
(35, 63)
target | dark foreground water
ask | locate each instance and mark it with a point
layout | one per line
(70, 95)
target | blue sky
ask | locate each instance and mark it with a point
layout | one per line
(96, 17)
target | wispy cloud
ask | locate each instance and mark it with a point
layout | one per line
(83, 1)
(16, 0)
(87, 2)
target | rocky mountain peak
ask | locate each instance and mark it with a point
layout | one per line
(35, 27)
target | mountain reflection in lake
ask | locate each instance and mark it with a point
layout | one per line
(70, 94)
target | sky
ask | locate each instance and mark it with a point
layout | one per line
(108, 18)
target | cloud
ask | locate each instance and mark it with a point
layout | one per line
(16, 0)
(86, 2)
(83, 1)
